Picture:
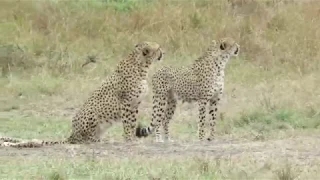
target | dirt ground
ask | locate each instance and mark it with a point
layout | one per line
(301, 148)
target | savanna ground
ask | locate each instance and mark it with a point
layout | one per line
(269, 123)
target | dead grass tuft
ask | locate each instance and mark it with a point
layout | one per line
(286, 173)
(56, 176)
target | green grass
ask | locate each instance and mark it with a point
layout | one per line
(183, 126)
(278, 119)
(127, 168)
(35, 127)
(155, 168)
(58, 163)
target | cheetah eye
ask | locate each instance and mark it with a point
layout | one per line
(137, 45)
(145, 52)
(222, 46)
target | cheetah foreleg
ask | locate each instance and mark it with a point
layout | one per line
(213, 109)
(202, 118)
(129, 120)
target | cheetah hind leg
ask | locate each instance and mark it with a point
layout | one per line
(171, 107)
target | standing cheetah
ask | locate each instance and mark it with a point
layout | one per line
(116, 100)
(203, 82)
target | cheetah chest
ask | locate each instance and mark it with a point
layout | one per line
(141, 91)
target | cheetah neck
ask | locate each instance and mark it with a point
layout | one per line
(144, 67)
(133, 66)
(208, 55)
(221, 63)
(213, 62)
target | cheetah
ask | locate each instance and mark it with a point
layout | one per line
(202, 82)
(116, 99)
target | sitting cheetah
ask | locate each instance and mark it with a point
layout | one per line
(203, 82)
(117, 99)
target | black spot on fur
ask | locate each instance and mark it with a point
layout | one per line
(145, 52)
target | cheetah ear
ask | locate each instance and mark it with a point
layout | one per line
(213, 43)
(145, 51)
(137, 47)
(223, 46)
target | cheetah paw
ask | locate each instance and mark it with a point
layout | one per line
(169, 140)
(159, 141)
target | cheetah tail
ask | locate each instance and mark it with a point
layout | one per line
(144, 131)
(10, 139)
(32, 144)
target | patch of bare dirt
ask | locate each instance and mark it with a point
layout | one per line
(304, 148)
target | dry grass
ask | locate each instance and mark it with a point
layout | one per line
(269, 33)
(272, 89)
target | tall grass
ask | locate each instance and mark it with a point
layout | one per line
(59, 34)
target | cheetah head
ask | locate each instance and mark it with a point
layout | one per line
(229, 46)
(150, 51)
